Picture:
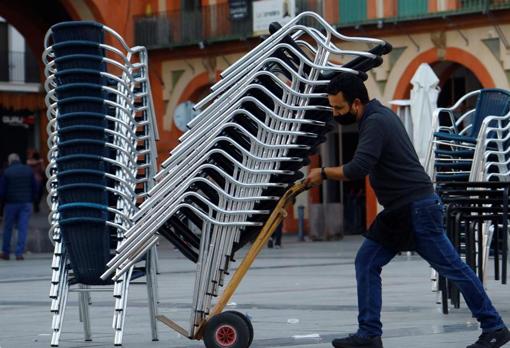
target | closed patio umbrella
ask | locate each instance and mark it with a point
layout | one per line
(423, 103)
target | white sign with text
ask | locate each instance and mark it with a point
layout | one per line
(267, 11)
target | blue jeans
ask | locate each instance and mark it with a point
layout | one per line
(434, 246)
(16, 213)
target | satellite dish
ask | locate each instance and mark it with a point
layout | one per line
(183, 114)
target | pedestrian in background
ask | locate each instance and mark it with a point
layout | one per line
(37, 164)
(18, 188)
(3, 165)
(276, 237)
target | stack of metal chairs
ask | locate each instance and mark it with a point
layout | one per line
(102, 156)
(491, 159)
(469, 161)
(491, 164)
(253, 134)
(457, 130)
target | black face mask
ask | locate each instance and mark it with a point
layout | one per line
(345, 119)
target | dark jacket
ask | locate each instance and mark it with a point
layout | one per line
(385, 153)
(18, 184)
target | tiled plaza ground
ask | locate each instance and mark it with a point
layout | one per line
(300, 296)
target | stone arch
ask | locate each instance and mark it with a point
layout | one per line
(452, 54)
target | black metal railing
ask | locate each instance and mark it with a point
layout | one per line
(404, 10)
(221, 22)
(179, 28)
(32, 68)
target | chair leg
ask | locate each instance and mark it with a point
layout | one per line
(119, 315)
(496, 243)
(443, 286)
(504, 235)
(504, 252)
(433, 279)
(488, 234)
(59, 292)
(156, 258)
(83, 298)
(152, 294)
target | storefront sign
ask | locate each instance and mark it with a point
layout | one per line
(267, 11)
(17, 121)
(238, 9)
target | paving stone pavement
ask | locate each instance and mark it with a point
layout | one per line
(302, 295)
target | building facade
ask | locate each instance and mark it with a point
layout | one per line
(21, 101)
(190, 42)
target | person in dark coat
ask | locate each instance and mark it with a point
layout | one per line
(37, 165)
(412, 218)
(276, 238)
(18, 188)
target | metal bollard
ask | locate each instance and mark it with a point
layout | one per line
(301, 223)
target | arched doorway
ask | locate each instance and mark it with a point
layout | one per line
(461, 62)
(200, 93)
(455, 80)
(196, 89)
(451, 54)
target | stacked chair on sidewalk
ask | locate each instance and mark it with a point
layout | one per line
(469, 159)
(102, 134)
(254, 133)
(452, 148)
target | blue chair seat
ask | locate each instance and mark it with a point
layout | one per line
(452, 177)
(72, 47)
(81, 162)
(83, 75)
(81, 118)
(82, 105)
(75, 176)
(83, 193)
(77, 30)
(88, 243)
(80, 61)
(454, 137)
(94, 132)
(83, 146)
(81, 89)
(454, 153)
(88, 209)
(455, 165)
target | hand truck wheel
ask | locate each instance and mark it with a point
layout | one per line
(248, 322)
(227, 330)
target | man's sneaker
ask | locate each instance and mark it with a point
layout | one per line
(493, 339)
(355, 341)
(4, 256)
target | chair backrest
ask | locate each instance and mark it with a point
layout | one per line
(491, 102)
(497, 151)
(491, 160)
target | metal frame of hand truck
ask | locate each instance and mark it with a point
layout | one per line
(276, 217)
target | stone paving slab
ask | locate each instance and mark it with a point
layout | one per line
(291, 293)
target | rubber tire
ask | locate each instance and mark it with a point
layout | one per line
(236, 321)
(248, 322)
